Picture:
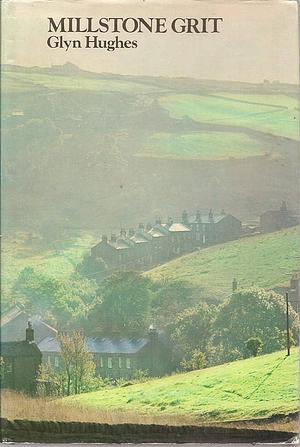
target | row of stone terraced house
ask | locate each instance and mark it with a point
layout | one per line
(151, 245)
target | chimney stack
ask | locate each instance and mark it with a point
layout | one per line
(29, 333)
(198, 216)
(185, 217)
(152, 333)
(234, 284)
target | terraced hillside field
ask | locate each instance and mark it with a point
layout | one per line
(268, 114)
(264, 260)
(258, 387)
(202, 145)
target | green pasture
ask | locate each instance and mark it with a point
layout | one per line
(276, 100)
(246, 389)
(278, 121)
(57, 259)
(265, 261)
(201, 145)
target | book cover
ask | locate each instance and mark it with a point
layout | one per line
(150, 211)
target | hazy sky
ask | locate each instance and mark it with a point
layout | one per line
(258, 40)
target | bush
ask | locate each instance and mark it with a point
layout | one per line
(254, 345)
(197, 361)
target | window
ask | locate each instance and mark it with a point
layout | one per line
(128, 363)
(56, 361)
(109, 362)
(120, 362)
(101, 362)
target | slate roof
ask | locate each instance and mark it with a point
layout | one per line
(120, 244)
(139, 239)
(14, 323)
(100, 345)
(10, 315)
(19, 349)
(178, 227)
(206, 219)
(156, 233)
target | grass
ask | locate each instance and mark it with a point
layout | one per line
(19, 406)
(233, 111)
(16, 81)
(204, 146)
(56, 259)
(278, 100)
(243, 390)
(264, 260)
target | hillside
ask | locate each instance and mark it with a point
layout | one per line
(101, 146)
(273, 258)
(264, 260)
(56, 258)
(246, 389)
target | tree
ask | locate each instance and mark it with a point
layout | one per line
(92, 268)
(73, 300)
(171, 298)
(123, 305)
(252, 313)
(78, 364)
(36, 290)
(192, 330)
(65, 301)
(254, 345)
(197, 361)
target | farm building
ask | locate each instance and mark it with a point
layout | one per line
(118, 357)
(21, 361)
(274, 220)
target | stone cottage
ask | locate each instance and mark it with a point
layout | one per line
(119, 357)
(155, 244)
(274, 220)
(21, 362)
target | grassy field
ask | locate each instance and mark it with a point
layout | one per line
(57, 260)
(263, 260)
(202, 146)
(279, 100)
(247, 389)
(18, 81)
(233, 111)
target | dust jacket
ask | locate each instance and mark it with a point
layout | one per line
(150, 212)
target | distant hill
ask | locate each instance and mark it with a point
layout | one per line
(98, 146)
(265, 260)
(255, 388)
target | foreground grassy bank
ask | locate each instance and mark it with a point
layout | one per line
(247, 389)
(264, 261)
